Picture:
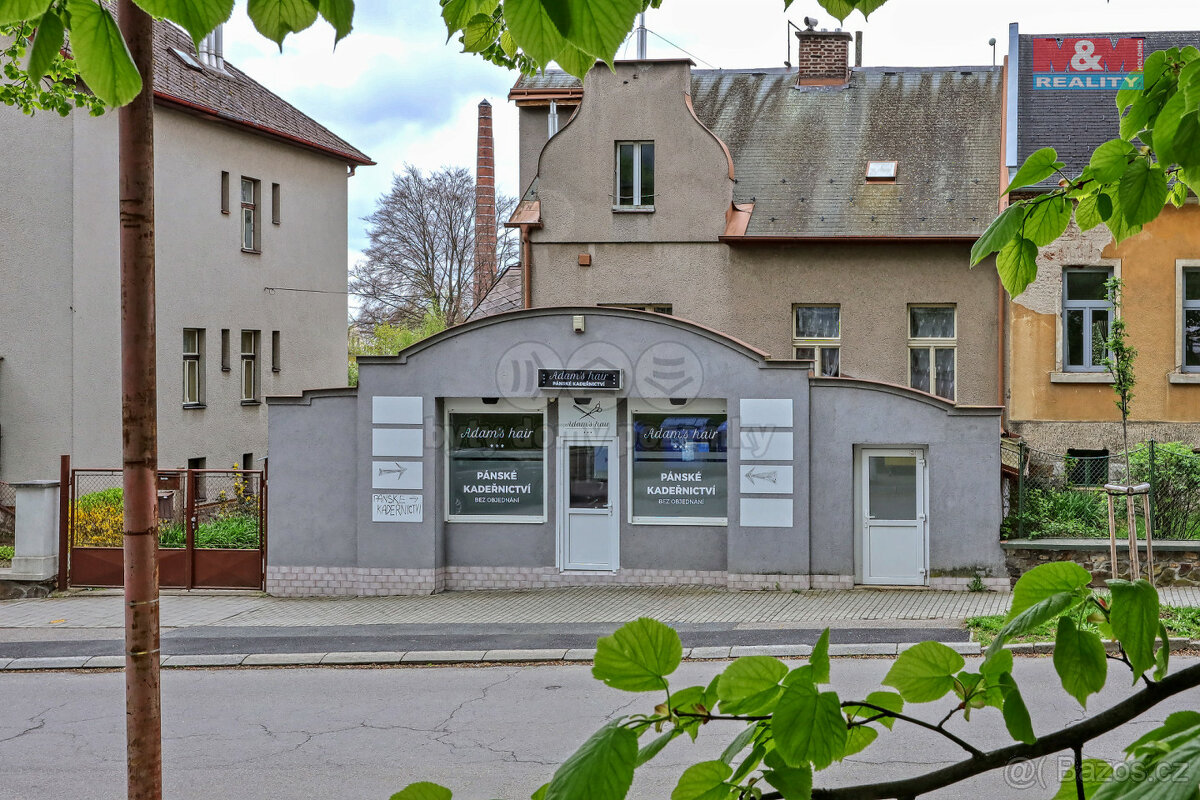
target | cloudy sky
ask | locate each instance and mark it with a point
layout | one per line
(398, 91)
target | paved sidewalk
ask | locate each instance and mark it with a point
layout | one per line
(99, 610)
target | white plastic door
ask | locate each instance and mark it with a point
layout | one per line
(587, 493)
(894, 517)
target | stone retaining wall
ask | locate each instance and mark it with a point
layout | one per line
(1175, 563)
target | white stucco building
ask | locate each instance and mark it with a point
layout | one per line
(250, 196)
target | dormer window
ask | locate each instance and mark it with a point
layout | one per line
(881, 171)
(634, 177)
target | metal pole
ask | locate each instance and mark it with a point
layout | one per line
(641, 37)
(64, 521)
(1150, 510)
(1021, 489)
(139, 425)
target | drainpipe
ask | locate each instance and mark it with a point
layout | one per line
(526, 268)
(1002, 305)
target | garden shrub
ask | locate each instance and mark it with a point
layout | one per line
(1176, 488)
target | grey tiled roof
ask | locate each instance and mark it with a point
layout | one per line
(505, 295)
(550, 79)
(1074, 122)
(236, 97)
(801, 154)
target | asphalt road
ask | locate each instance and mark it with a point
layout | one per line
(376, 638)
(486, 732)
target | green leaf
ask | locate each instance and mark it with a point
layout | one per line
(638, 656)
(1138, 116)
(739, 743)
(1016, 715)
(819, 660)
(602, 769)
(808, 726)
(533, 30)
(1158, 776)
(575, 61)
(750, 685)
(1045, 580)
(423, 791)
(540, 792)
(656, 746)
(1177, 133)
(1178, 195)
(924, 672)
(1189, 83)
(339, 14)
(480, 33)
(100, 53)
(704, 781)
(1037, 615)
(1003, 229)
(837, 8)
(749, 763)
(1142, 192)
(508, 44)
(1087, 212)
(1162, 657)
(457, 13)
(597, 29)
(1095, 772)
(1017, 265)
(46, 45)
(21, 10)
(1176, 722)
(996, 664)
(1079, 660)
(1134, 618)
(1110, 159)
(1117, 225)
(275, 19)
(887, 700)
(197, 17)
(1040, 165)
(794, 783)
(858, 738)
(1047, 219)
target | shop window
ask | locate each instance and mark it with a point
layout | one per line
(634, 177)
(932, 350)
(680, 467)
(1086, 315)
(1191, 320)
(1087, 467)
(817, 338)
(495, 465)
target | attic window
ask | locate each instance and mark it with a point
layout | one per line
(881, 171)
(187, 59)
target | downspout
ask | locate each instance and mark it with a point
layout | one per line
(1002, 307)
(527, 268)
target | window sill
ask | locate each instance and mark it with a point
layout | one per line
(276, 370)
(633, 209)
(189, 406)
(1183, 377)
(226, 369)
(1081, 377)
(252, 402)
(252, 252)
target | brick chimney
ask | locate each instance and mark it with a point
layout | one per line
(485, 207)
(823, 58)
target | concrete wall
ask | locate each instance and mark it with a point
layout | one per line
(61, 374)
(1056, 415)
(749, 292)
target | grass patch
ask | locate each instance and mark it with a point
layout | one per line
(1183, 622)
(6, 555)
(231, 532)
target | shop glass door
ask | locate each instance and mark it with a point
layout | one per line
(894, 517)
(587, 492)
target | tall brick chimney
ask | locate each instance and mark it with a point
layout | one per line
(823, 58)
(485, 207)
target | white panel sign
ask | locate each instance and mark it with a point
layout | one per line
(396, 411)
(773, 445)
(595, 420)
(397, 442)
(766, 413)
(766, 512)
(397, 508)
(764, 479)
(396, 475)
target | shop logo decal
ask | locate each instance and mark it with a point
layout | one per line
(668, 369)
(1088, 64)
(765, 475)
(585, 413)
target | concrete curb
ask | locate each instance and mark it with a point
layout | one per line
(1043, 648)
(539, 656)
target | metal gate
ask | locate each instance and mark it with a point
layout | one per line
(212, 530)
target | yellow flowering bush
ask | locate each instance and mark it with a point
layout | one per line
(99, 519)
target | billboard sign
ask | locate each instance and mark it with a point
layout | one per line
(1087, 63)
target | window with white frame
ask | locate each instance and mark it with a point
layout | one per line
(817, 337)
(249, 366)
(933, 350)
(1191, 320)
(495, 462)
(634, 179)
(680, 469)
(1087, 313)
(657, 308)
(193, 367)
(251, 240)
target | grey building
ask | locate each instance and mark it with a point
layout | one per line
(563, 446)
(823, 212)
(250, 197)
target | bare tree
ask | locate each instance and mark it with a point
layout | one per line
(421, 256)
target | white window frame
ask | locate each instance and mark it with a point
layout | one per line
(932, 344)
(1183, 267)
(193, 362)
(249, 361)
(1087, 307)
(251, 209)
(692, 406)
(501, 406)
(817, 343)
(637, 176)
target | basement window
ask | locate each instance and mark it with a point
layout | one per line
(882, 171)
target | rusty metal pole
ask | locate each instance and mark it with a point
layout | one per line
(139, 425)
